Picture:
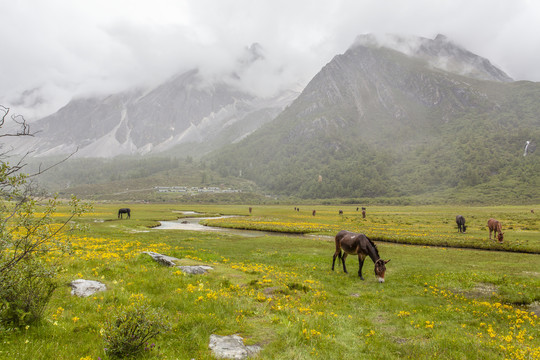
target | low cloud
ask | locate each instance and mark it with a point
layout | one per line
(59, 49)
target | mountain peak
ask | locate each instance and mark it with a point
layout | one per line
(441, 37)
(440, 53)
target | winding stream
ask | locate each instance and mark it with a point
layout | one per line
(193, 224)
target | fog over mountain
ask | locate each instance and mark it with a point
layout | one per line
(187, 108)
(58, 50)
(397, 116)
(440, 52)
(194, 108)
(392, 116)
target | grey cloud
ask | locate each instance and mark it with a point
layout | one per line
(59, 48)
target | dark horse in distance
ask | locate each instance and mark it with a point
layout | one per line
(126, 211)
(361, 245)
(495, 227)
(460, 221)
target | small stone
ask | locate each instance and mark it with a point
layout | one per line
(196, 269)
(84, 288)
(231, 347)
(162, 259)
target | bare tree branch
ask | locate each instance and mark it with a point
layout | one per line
(41, 171)
(24, 127)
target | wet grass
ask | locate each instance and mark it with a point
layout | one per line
(279, 292)
(428, 225)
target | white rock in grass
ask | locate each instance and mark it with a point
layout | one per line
(84, 288)
(195, 269)
(231, 347)
(162, 259)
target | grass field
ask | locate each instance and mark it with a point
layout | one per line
(279, 292)
(428, 225)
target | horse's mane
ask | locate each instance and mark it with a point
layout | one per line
(374, 246)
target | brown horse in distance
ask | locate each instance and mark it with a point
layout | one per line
(495, 227)
(460, 221)
(361, 245)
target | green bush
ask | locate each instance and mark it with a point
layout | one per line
(29, 234)
(25, 291)
(132, 328)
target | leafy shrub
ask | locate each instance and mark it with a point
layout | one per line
(29, 234)
(132, 327)
(25, 291)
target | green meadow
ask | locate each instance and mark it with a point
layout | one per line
(447, 295)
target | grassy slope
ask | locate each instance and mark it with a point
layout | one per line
(279, 292)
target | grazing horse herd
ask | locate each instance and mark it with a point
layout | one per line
(494, 227)
(360, 245)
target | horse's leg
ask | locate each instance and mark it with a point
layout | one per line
(490, 230)
(336, 254)
(361, 258)
(343, 257)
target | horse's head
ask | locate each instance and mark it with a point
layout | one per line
(464, 228)
(500, 237)
(380, 269)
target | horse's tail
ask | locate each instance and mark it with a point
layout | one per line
(337, 240)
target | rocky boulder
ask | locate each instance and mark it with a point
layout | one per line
(84, 288)
(231, 347)
(162, 259)
(195, 269)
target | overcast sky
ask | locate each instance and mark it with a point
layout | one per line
(67, 48)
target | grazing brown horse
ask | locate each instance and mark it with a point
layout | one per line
(361, 245)
(314, 212)
(495, 227)
(460, 221)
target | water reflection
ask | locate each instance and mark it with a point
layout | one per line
(193, 224)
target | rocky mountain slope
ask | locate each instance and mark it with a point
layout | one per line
(395, 117)
(187, 109)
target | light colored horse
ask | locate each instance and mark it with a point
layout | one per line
(495, 227)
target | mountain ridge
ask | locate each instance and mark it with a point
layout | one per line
(387, 118)
(185, 109)
(379, 122)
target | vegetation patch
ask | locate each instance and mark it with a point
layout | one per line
(278, 292)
